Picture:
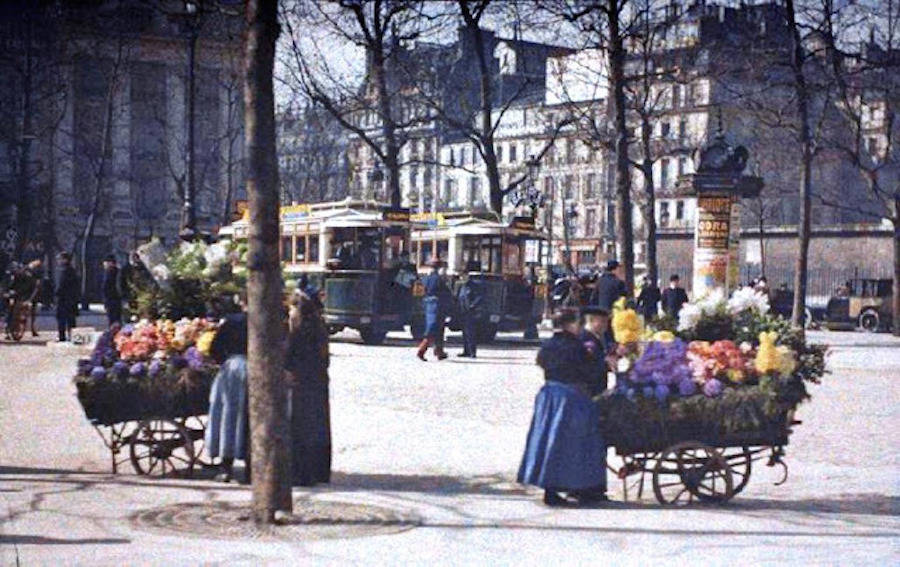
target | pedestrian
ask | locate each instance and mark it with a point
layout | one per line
(565, 450)
(437, 302)
(469, 299)
(595, 338)
(228, 431)
(609, 287)
(648, 300)
(112, 291)
(674, 297)
(306, 363)
(67, 297)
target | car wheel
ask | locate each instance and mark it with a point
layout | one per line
(868, 321)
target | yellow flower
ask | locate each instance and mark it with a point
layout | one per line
(204, 343)
(768, 358)
(663, 336)
(786, 361)
(627, 327)
(619, 305)
(735, 375)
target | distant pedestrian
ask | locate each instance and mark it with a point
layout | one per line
(67, 297)
(112, 290)
(648, 300)
(674, 297)
(469, 300)
(437, 303)
(609, 287)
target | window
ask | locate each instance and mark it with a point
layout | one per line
(474, 190)
(664, 129)
(872, 145)
(676, 96)
(682, 129)
(664, 173)
(287, 249)
(473, 156)
(452, 157)
(314, 248)
(513, 149)
(679, 210)
(682, 166)
(589, 188)
(570, 151)
(663, 213)
(499, 153)
(301, 249)
(568, 187)
(590, 222)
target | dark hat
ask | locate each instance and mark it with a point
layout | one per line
(564, 317)
(109, 258)
(612, 265)
(594, 310)
(673, 278)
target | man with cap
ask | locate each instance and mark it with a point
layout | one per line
(595, 338)
(112, 293)
(609, 287)
(437, 300)
(648, 300)
(67, 295)
(674, 297)
(469, 299)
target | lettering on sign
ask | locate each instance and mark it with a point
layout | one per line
(713, 222)
(396, 215)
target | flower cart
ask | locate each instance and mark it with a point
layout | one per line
(146, 388)
(694, 407)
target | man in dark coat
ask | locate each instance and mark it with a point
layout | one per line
(67, 296)
(595, 339)
(469, 299)
(674, 297)
(609, 287)
(112, 293)
(648, 300)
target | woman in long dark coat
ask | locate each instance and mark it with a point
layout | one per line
(565, 451)
(306, 362)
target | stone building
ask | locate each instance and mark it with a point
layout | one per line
(313, 161)
(111, 141)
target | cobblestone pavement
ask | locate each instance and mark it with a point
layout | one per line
(425, 460)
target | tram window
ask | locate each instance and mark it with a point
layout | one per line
(301, 249)
(427, 250)
(491, 255)
(287, 250)
(443, 249)
(512, 256)
(313, 249)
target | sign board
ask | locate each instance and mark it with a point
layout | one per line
(716, 241)
(524, 223)
(533, 251)
(293, 212)
(431, 219)
(395, 215)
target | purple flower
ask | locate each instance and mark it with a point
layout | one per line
(98, 373)
(630, 394)
(661, 363)
(647, 391)
(194, 358)
(120, 368)
(138, 369)
(155, 368)
(128, 329)
(661, 392)
(712, 388)
(179, 362)
(687, 387)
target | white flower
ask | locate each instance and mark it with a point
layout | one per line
(748, 299)
(746, 347)
(623, 365)
(710, 302)
(215, 254)
(689, 316)
(160, 272)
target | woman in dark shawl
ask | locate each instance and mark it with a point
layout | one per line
(565, 451)
(306, 362)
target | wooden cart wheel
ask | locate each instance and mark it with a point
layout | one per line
(196, 429)
(160, 447)
(740, 459)
(690, 469)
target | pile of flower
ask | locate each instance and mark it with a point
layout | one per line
(729, 361)
(148, 349)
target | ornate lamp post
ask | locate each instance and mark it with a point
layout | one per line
(191, 22)
(718, 185)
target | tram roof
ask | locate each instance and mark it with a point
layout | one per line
(471, 225)
(347, 213)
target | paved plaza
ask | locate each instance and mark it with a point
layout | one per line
(425, 458)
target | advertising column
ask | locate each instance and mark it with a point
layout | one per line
(716, 239)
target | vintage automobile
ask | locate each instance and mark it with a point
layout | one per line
(861, 303)
(351, 252)
(505, 257)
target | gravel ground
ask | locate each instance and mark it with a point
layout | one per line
(439, 444)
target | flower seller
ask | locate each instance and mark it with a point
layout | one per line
(596, 339)
(565, 451)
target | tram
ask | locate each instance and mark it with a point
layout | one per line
(505, 257)
(352, 251)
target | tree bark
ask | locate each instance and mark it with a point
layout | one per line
(624, 226)
(803, 226)
(269, 428)
(388, 128)
(895, 308)
(650, 205)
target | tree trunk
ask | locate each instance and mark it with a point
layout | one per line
(624, 229)
(895, 308)
(803, 226)
(650, 205)
(388, 129)
(762, 241)
(269, 427)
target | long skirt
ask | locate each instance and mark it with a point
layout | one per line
(565, 449)
(226, 432)
(311, 432)
(434, 318)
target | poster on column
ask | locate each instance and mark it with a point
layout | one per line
(734, 247)
(711, 243)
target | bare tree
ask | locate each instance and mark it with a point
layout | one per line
(374, 109)
(268, 397)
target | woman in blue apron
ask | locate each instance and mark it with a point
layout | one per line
(565, 451)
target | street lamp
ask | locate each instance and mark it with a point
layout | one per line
(191, 22)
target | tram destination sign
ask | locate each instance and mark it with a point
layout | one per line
(524, 223)
(395, 214)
